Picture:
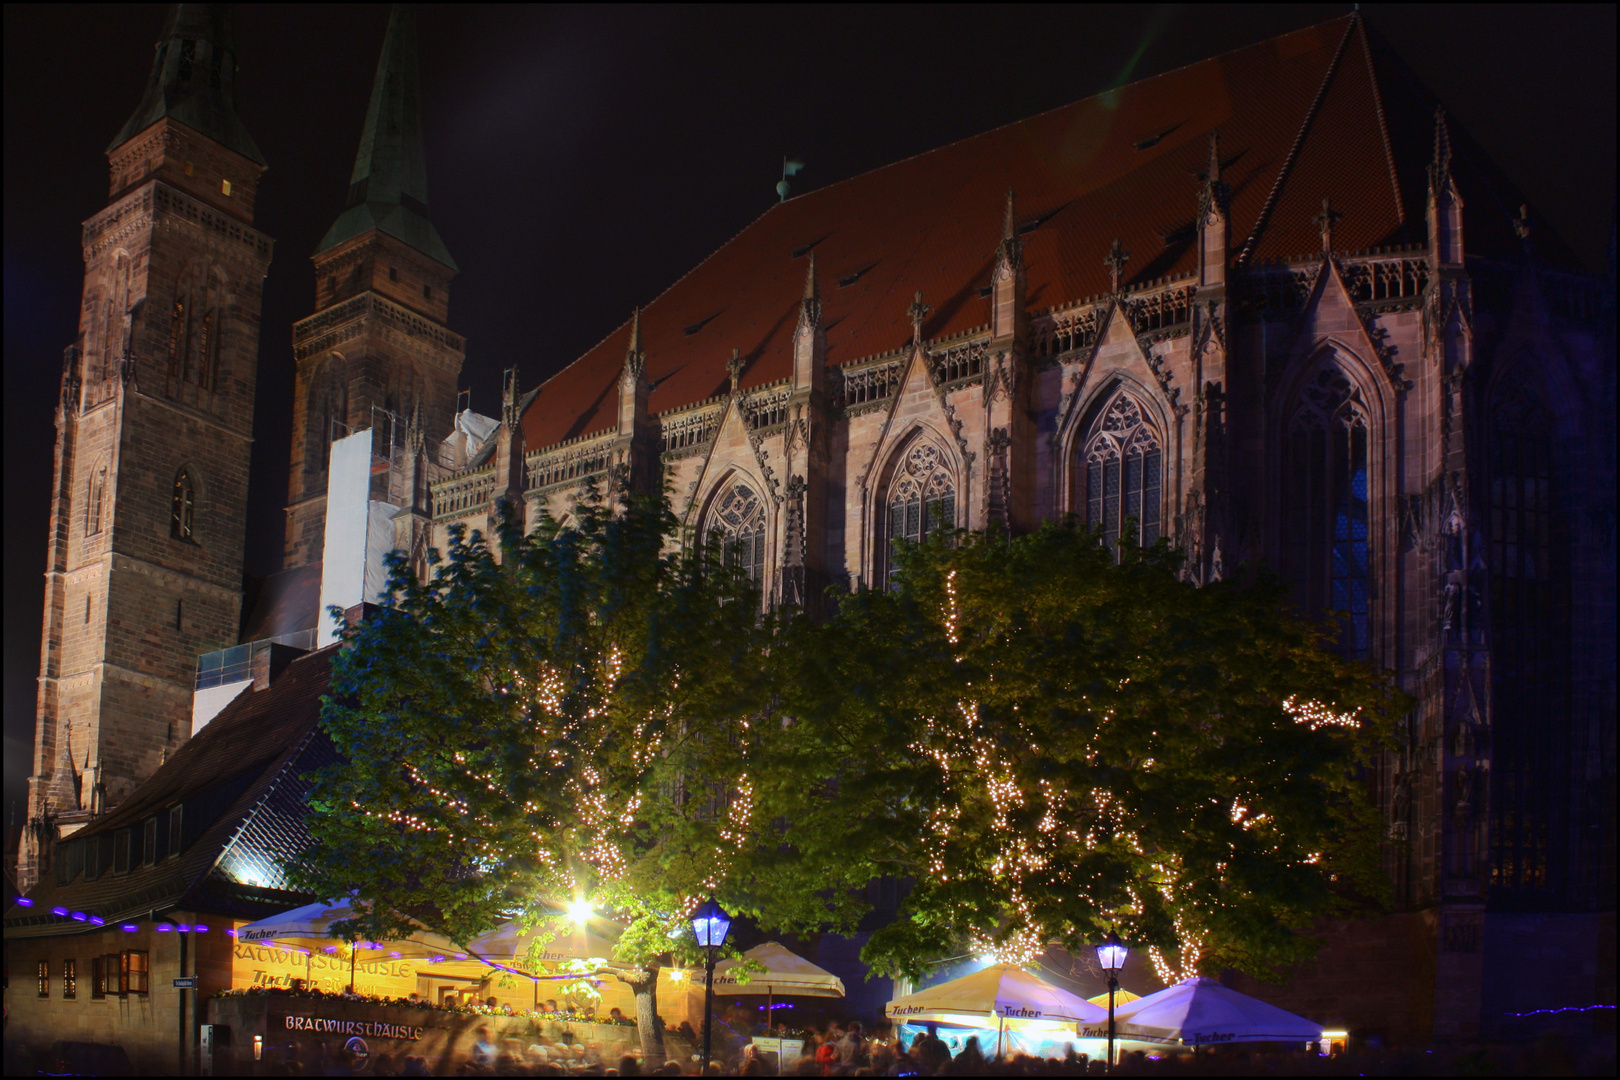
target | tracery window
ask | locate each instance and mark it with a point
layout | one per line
(922, 500)
(1327, 537)
(736, 530)
(1529, 647)
(1123, 474)
(183, 507)
(193, 347)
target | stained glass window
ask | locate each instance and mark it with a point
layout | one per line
(1530, 647)
(922, 500)
(1123, 472)
(736, 529)
(1327, 531)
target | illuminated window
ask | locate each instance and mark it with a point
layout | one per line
(44, 978)
(132, 972)
(183, 508)
(98, 975)
(736, 530)
(70, 978)
(922, 501)
(1327, 536)
(1122, 477)
(225, 187)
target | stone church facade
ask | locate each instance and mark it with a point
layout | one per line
(1272, 307)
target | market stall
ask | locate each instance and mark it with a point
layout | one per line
(1025, 1013)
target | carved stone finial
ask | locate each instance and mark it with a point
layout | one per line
(509, 398)
(918, 312)
(1115, 260)
(1009, 222)
(635, 359)
(735, 367)
(1213, 194)
(1440, 166)
(1325, 221)
(812, 291)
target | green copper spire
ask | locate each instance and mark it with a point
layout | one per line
(194, 81)
(388, 190)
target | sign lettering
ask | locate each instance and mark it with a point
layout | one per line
(370, 1029)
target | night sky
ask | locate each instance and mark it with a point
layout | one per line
(581, 159)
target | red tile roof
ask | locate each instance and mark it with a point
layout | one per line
(1325, 111)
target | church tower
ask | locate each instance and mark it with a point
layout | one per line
(154, 427)
(377, 352)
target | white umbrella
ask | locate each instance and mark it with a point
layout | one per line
(315, 921)
(1003, 992)
(785, 973)
(593, 940)
(1202, 1012)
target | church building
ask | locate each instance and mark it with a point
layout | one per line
(1275, 307)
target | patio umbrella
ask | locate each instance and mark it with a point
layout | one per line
(1003, 992)
(1120, 998)
(785, 973)
(315, 921)
(1202, 1012)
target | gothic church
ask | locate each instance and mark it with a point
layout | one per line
(1272, 306)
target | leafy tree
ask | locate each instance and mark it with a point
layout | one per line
(1052, 746)
(562, 715)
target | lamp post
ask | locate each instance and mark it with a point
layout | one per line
(1111, 954)
(710, 924)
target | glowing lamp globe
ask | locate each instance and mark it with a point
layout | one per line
(580, 911)
(710, 924)
(1111, 954)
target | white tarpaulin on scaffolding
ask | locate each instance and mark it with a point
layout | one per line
(1202, 1012)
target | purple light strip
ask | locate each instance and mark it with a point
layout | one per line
(1564, 1009)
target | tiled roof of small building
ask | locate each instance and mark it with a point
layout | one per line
(1327, 111)
(243, 774)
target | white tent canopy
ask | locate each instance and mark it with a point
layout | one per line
(1202, 1012)
(315, 921)
(1000, 992)
(786, 974)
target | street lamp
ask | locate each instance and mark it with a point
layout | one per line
(710, 924)
(1111, 955)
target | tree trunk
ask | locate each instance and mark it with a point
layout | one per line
(652, 1033)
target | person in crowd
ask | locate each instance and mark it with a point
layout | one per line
(484, 1048)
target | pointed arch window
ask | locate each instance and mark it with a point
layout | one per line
(736, 530)
(183, 508)
(194, 325)
(1122, 474)
(922, 500)
(93, 503)
(1326, 486)
(1530, 650)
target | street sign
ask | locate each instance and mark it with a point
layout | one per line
(187, 983)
